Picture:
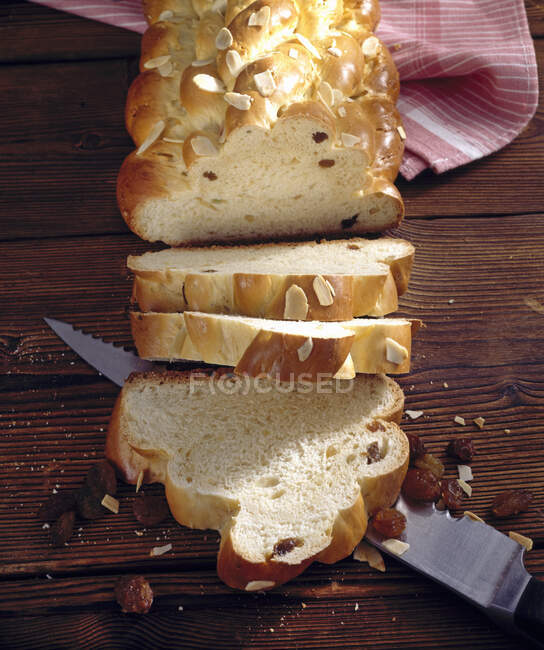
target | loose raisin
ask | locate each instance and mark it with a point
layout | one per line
(461, 448)
(430, 462)
(511, 502)
(319, 136)
(150, 510)
(417, 447)
(100, 480)
(56, 505)
(421, 485)
(389, 522)
(452, 493)
(326, 162)
(286, 545)
(62, 529)
(373, 453)
(134, 594)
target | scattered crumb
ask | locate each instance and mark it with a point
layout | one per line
(451, 301)
(55, 491)
(472, 516)
(160, 550)
(304, 605)
(479, 422)
(49, 577)
(356, 606)
(507, 431)
(138, 532)
(459, 420)
(271, 629)
(413, 415)
(46, 526)
(527, 542)
(445, 384)
(180, 608)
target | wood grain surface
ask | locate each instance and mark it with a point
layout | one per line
(477, 284)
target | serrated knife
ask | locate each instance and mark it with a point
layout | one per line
(470, 558)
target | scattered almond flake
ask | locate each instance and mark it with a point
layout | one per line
(395, 352)
(264, 81)
(465, 487)
(534, 304)
(356, 606)
(296, 303)
(364, 552)
(293, 53)
(111, 503)
(155, 133)
(331, 288)
(202, 63)
(349, 140)
(472, 516)
(527, 542)
(259, 585)
(180, 608)
(160, 550)
(445, 384)
(304, 605)
(166, 15)
(208, 83)
(138, 533)
(157, 62)
(401, 132)
(222, 138)
(234, 62)
(238, 100)
(342, 111)
(465, 472)
(55, 491)
(166, 69)
(259, 18)
(203, 146)
(173, 140)
(371, 46)
(507, 431)
(323, 291)
(49, 577)
(139, 480)
(271, 629)
(335, 51)
(451, 301)
(46, 526)
(305, 349)
(396, 546)
(224, 39)
(413, 415)
(459, 420)
(308, 45)
(479, 422)
(325, 93)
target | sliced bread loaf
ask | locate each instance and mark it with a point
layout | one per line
(285, 476)
(256, 346)
(342, 279)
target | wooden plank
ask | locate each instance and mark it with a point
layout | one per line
(535, 16)
(64, 142)
(31, 32)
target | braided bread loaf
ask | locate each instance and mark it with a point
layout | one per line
(271, 118)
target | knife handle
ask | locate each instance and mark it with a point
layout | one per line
(529, 614)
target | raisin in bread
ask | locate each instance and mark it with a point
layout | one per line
(265, 119)
(342, 279)
(286, 477)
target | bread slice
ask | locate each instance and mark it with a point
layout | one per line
(257, 346)
(283, 475)
(366, 277)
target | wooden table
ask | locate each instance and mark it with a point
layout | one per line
(479, 233)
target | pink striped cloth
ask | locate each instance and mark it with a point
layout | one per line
(468, 72)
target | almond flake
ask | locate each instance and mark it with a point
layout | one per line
(446, 385)
(472, 516)
(465, 487)
(208, 83)
(479, 422)
(139, 480)
(234, 62)
(371, 46)
(264, 81)
(293, 53)
(395, 352)
(401, 132)
(322, 291)
(527, 542)
(259, 18)
(342, 111)
(156, 62)
(338, 96)
(155, 132)
(305, 349)
(239, 101)
(203, 146)
(224, 39)
(325, 93)
(259, 585)
(364, 552)
(138, 533)
(296, 303)
(331, 288)
(396, 546)
(349, 140)
(459, 420)
(173, 140)
(308, 45)
(413, 415)
(166, 15)
(202, 63)
(166, 69)
(160, 550)
(335, 51)
(110, 503)
(465, 472)
(507, 431)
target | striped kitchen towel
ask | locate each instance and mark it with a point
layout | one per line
(468, 72)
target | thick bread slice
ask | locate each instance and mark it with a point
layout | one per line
(283, 475)
(255, 346)
(366, 276)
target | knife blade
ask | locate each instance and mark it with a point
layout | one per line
(476, 561)
(114, 363)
